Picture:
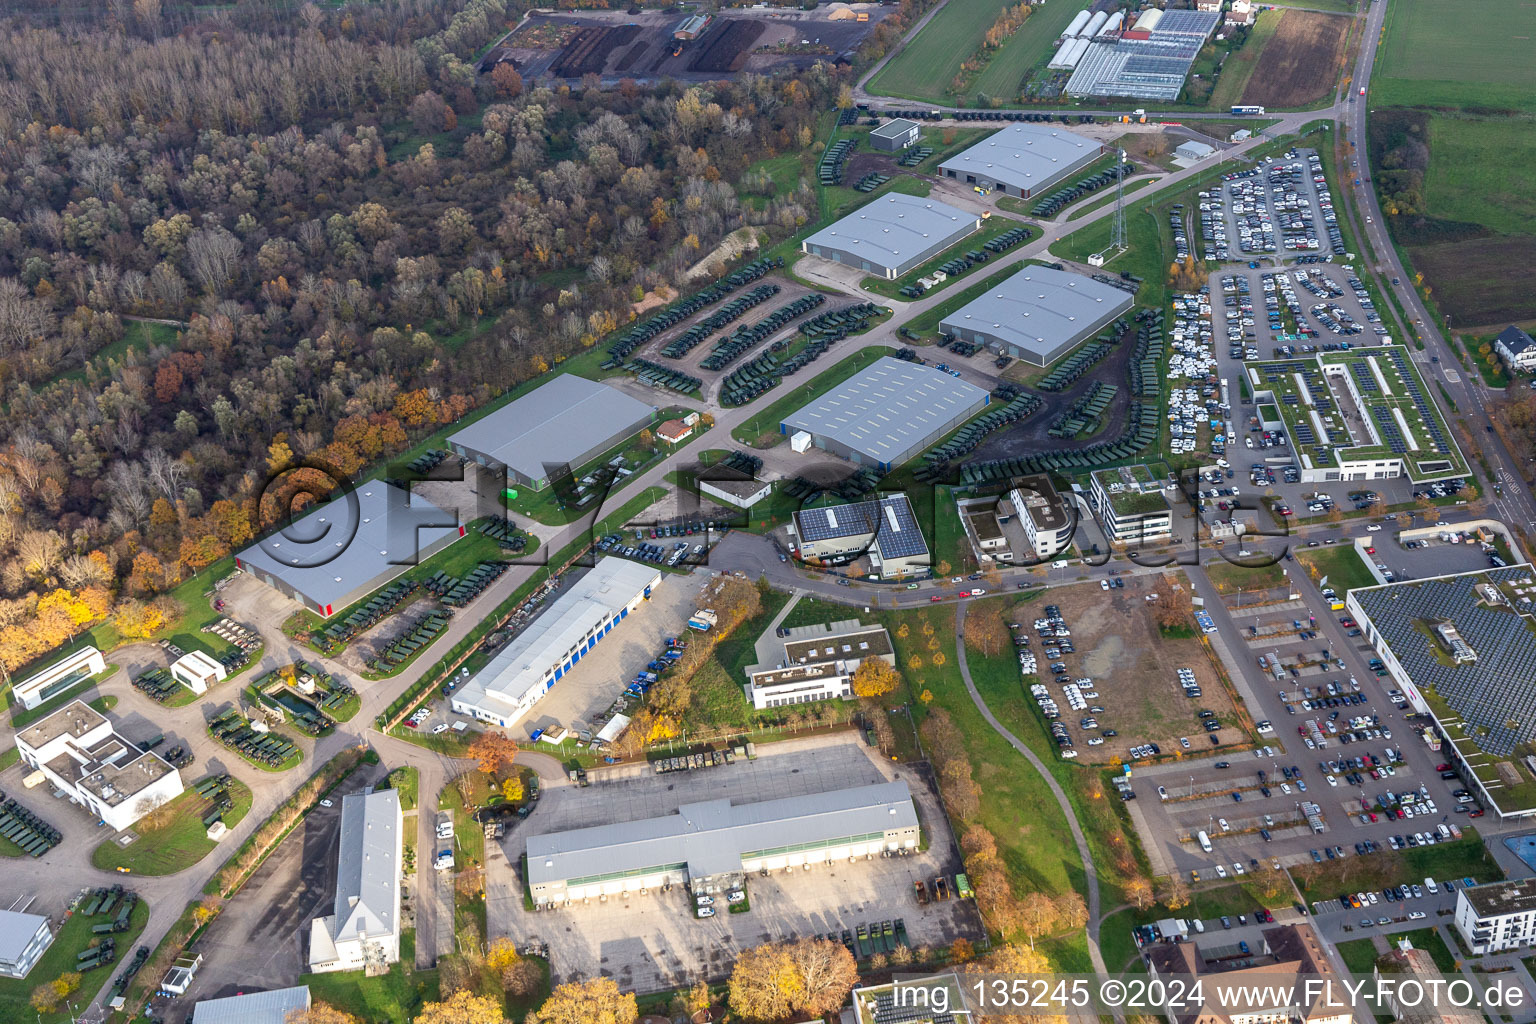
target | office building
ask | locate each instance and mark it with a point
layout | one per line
(23, 940)
(1130, 505)
(339, 552)
(884, 532)
(887, 413)
(58, 677)
(892, 234)
(1038, 314)
(78, 751)
(817, 663)
(712, 845)
(566, 422)
(362, 932)
(1048, 523)
(548, 647)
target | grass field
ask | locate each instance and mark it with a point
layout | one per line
(181, 842)
(1342, 565)
(1456, 54)
(930, 61)
(1483, 171)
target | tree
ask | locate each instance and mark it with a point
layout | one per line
(809, 976)
(1173, 609)
(985, 629)
(512, 788)
(698, 998)
(492, 750)
(464, 1007)
(874, 678)
(501, 955)
(596, 1001)
(1173, 893)
(1038, 913)
(320, 1013)
(1139, 892)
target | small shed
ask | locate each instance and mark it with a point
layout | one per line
(895, 135)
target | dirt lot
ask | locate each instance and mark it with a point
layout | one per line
(1135, 670)
(1302, 62)
(1471, 283)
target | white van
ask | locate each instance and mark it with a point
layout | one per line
(1429, 883)
(1205, 841)
(1060, 563)
(1199, 925)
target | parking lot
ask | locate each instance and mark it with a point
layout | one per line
(654, 942)
(1281, 208)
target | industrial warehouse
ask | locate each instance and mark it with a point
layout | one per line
(885, 532)
(344, 550)
(892, 235)
(1022, 159)
(712, 845)
(1038, 314)
(566, 422)
(1142, 64)
(527, 667)
(886, 414)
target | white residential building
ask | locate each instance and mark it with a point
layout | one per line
(363, 930)
(77, 750)
(59, 676)
(1497, 916)
(23, 939)
(551, 645)
(818, 663)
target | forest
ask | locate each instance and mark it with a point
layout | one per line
(346, 237)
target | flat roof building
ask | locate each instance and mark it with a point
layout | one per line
(817, 663)
(1038, 314)
(23, 940)
(339, 552)
(887, 414)
(77, 750)
(566, 422)
(1131, 505)
(1265, 984)
(58, 677)
(895, 135)
(1022, 159)
(533, 661)
(1048, 522)
(885, 531)
(712, 845)
(892, 235)
(271, 1007)
(742, 493)
(362, 932)
(1497, 916)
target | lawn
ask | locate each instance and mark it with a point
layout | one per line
(404, 782)
(1229, 578)
(1359, 955)
(1341, 564)
(1429, 939)
(1467, 857)
(1145, 224)
(1482, 171)
(990, 229)
(73, 937)
(392, 998)
(1029, 46)
(766, 421)
(180, 843)
(545, 506)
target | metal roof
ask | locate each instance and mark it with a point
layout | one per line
(253, 1007)
(888, 408)
(556, 423)
(368, 868)
(521, 665)
(895, 128)
(890, 519)
(710, 836)
(16, 931)
(374, 530)
(1040, 310)
(895, 228)
(1151, 68)
(1024, 156)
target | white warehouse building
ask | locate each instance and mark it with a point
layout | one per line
(712, 845)
(78, 751)
(363, 929)
(527, 667)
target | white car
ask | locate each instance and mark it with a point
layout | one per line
(1416, 915)
(977, 592)
(735, 896)
(706, 901)
(440, 727)
(1373, 528)
(706, 911)
(444, 860)
(1162, 793)
(1221, 869)
(327, 802)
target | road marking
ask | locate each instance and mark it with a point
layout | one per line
(1453, 376)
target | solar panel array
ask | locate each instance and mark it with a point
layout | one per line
(1411, 385)
(899, 539)
(1386, 426)
(1496, 694)
(1364, 379)
(888, 1011)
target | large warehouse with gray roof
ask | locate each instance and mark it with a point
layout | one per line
(888, 413)
(892, 235)
(710, 846)
(1038, 314)
(1022, 159)
(568, 421)
(341, 551)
